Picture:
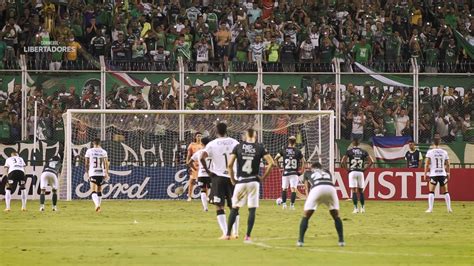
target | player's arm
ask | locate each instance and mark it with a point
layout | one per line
(302, 163)
(277, 157)
(427, 167)
(86, 164)
(344, 161)
(270, 163)
(420, 160)
(230, 169)
(447, 167)
(204, 155)
(189, 154)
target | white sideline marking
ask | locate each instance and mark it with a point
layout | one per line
(342, 251)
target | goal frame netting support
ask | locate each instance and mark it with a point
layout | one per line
(259, 114)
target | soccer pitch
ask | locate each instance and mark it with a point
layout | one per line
(180, 233)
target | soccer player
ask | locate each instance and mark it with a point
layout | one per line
(357, 158)
(50, 177)
(195, 146)
(15, 172)
(437, 163)
(292, 162)
(321, 191)
(413, 156)
(204, 181)
(219, 151)
(248, 155)
(97, 171)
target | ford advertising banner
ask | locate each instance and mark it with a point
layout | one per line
(159, 178)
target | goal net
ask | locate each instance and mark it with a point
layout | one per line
(147, 148)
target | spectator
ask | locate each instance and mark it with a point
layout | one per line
(402, 122)
(202, 55)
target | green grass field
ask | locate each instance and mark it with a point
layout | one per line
(180, 233)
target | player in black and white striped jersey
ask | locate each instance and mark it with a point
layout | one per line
(319, 184)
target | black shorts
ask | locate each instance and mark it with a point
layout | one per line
(98, 180)
(221, 190)
(442, 180)
(204, 181)
(16, 177)
(222, 50)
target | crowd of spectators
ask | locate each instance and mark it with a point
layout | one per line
(218, 35)
(366, 110)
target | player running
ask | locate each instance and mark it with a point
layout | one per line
(195, 146)
(204, 181)
(292, 163)
(357, 158)
(437, 163)
(321, 191)
(97, 164)
(413, 156)
(219, 151)
(248, 155)
(15, 172)
(50, 177)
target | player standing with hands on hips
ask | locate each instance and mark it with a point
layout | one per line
(293, 162)
(437, 163)
(357, 158)
(97, 171)
(15, 172)
(248, 155)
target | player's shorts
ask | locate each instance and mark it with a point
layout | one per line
(98, 180)
(222, 50)
(291, 180)
(322, 194)
(221, 190)
(442, 180)
(246, 193)
(356, 179)
(48, 178)
(16, 177)
(204, 181)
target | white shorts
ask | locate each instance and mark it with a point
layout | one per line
(322, 194)
(291, 180)
(246, 193)
(48, 178)
(356, 179)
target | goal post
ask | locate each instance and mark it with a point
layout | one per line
(147, 148)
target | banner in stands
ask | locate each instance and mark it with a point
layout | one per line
(389, 184)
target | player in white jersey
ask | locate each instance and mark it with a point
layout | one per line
(437, 163)
(219, 151)
(50, 177)
(97, 171)
(15, 172)
(320, 190)
(204, 181)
